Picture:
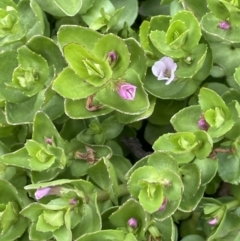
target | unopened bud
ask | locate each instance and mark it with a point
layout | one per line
(112, 58)
(132, 222)
(224, 25)
(202, 124)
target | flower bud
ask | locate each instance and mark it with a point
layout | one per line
(112, 58)
(213, 222)
(48, 141)
(163, 205)
(224, 25)
(126, 91)
(202, 124)
(132, 222)
(73, 201)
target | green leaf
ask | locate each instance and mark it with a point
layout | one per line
(121, 166)
(34, 234)
(18, 158)
(69, 85)
(197, 58)
(31, 74)
(208, 169)
(91, 221)
(181, 142)
(193, 26)
(208, 99)
(77, 34)
(191, 178)
(63, 234)
(228, 167)
(60, 8)
(176, 34)
(43, 226)
(93, 69)
(126, 119)
(130, 209)
(139, 175)
(158, 40)
(109, 96)
(205, 144)
(178, 89)
(151, 197)
(105, 235)
(138, 58)
(161, 160)
(188, 204)
(170, 208)
(129, 13)
(30, 29)
(210, 27)
(111, 127)
(187, 119)
(8, 62)
(103, 174)
(23, 113)
(76, 109)
(218, 8)
(110, 43)
(43, 128)
(94, 12)
(53, 56)
(173, 186)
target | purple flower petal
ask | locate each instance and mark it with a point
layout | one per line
(213, 221)
(164, 69)
(42, 192)
(127, 91)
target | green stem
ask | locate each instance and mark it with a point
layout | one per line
(104, 195)
(233, 204)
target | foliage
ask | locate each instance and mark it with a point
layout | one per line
(87, 88)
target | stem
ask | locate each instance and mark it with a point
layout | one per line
(104, 195)
(233, 204)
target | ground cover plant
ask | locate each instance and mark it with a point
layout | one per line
(119, 120)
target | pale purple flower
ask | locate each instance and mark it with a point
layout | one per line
(163, 205)
(224, 25)
(112, 57)
(42, 192)
(132, 222)
(126, 91)
(213, 221)
(202, 124)
(45, 191)
(164, 69)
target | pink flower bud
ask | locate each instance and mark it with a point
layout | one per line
(73, 201)
(202, 124)
(163, 205)
(224, 25)
(164, 69)
(213, 221)
(48, 141)
(126, 91)
(132, 222)
(112, 57)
